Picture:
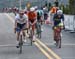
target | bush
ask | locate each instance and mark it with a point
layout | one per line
(66, 10)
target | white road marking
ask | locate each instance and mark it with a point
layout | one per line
(63, 44)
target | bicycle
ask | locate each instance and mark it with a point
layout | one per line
(57, 36)
(20, 41)
(21, 35)
(39, 29)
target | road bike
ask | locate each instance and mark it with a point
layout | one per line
(57, 36)
(21, 37)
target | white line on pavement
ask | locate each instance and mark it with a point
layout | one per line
(63, 44)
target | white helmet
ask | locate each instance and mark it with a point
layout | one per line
(60, 12)
(32, 9)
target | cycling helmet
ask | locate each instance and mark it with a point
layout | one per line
(21, 12)
(59, 12)
(32, 9)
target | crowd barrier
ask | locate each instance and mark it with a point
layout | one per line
(69, 22)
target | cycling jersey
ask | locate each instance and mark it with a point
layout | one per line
(58, 19)
(53, 9)
(21, 20)
(40, 13)
(32, 16)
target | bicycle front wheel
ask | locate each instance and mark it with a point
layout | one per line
(20, 44)
(31, 37)
(39, 30)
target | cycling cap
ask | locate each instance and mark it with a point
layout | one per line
(21, 12)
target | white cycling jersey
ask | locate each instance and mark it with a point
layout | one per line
(22, 20)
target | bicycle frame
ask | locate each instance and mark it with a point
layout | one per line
(31, 34)
(39, 29)
(57, 33)
(20, 41)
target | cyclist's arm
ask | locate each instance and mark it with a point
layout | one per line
(34, 22)
(35, 15)
(15, 24)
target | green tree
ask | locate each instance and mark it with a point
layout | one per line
(72, 6)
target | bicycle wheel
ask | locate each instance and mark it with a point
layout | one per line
(39, 30)
(31, 36)
(60, 41)
(58, 37)
(20, 44)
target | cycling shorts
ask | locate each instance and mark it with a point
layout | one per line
(20, 27)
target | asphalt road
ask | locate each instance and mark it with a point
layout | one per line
(42, 49)
(8, 48)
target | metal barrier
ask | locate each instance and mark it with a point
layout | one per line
(69, 22)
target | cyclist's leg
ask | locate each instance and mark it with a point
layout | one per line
(18, 33)
(17, 41)
(54, 34)
(33, 32)
(33, 28)
(58, 39)
(23, 31)
(23, 28)
(24, 36)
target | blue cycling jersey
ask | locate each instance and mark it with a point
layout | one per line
(40, 12)
(57, 19)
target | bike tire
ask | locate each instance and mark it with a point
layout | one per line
(20, 44)
(31, 37)
(39, 31)
(60, 42)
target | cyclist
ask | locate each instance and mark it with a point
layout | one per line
(32, 19)
(45, 10)
(20, 24)
(40, 15)
(53, 10)
(14, 11)
(58, 20)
